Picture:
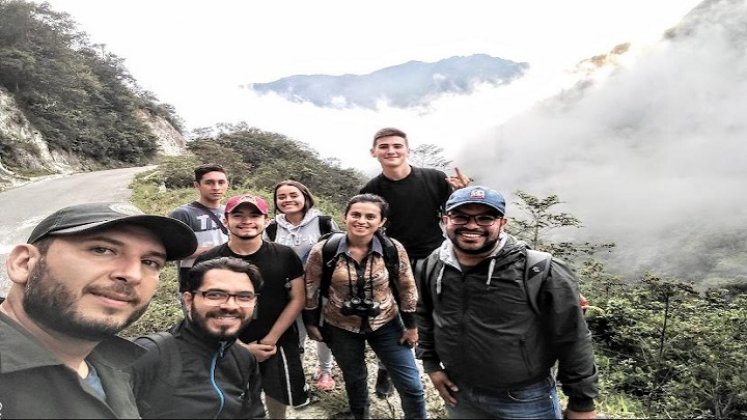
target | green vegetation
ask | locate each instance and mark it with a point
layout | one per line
(663, 349)
(78, 95)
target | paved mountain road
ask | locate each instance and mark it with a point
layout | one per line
(23, 207)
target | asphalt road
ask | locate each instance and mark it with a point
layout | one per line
(23, 207)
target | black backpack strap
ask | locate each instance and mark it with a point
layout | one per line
(212, 215)
(391, 261)
(426, 277)
(329, 259)
(272, 230)
(325, 225)
(169, 370)
(536, 271)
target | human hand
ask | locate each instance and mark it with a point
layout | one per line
(570, 414)
(314, 333)
(261, 352)
(445, 387)
(409, 337)
(458, 180)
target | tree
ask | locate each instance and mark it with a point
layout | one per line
(541, 220)
(429, 156)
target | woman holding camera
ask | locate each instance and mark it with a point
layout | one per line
(362, 308)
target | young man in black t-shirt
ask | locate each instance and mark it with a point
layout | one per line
(272, 337)
(416, 197)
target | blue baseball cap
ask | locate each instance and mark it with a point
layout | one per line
(477, 195)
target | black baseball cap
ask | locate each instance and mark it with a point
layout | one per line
(177, 238)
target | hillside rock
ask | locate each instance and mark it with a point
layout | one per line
(23, 148)
(170, 141)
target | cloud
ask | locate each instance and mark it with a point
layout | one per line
(653, 157)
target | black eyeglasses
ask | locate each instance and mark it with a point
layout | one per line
(219, 297)
(480, 219)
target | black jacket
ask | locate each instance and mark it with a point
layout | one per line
(34, 384)
(480, 326)
(195, 395)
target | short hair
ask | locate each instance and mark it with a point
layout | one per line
(197, 272)
(201, 170)
(369, 198)
(388, 132)
(308, 198)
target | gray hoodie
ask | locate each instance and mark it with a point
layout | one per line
(300, 237)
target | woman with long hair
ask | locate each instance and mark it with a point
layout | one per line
(362, 306)
(299, 225)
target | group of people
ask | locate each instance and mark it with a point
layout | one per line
(423, 268)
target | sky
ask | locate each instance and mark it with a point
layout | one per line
(198, 55)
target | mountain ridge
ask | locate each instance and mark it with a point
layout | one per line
(410, 84)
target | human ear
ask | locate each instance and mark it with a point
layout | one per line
(21, 262)
(188, 299)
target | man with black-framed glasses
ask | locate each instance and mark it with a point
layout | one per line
(494, 317)
(196, 370)
(273, 338)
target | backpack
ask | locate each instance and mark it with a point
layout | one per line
(329, 259)
(325, 227)
(170, 369)
(536, 271)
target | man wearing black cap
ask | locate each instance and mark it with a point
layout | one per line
(87, 272)
(494, 317)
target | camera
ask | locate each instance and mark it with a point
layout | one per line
(361, 307)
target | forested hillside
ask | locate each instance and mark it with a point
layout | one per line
(78, 95)
(257, 159)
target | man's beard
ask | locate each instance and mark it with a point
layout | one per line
(201, 322)
(49, 303)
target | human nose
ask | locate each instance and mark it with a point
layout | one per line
(128, 269)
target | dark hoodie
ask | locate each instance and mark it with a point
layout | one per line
(479, 324)
(198, 393)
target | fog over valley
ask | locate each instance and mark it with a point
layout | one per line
(653, 157)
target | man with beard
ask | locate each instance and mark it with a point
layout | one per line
(87, 272)
(490, 334)
(273, 337)
(212, 377)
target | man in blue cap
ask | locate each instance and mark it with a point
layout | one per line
(87, 272)
(494, 317)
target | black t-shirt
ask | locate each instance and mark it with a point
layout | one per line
(414, 208)
(278, 265)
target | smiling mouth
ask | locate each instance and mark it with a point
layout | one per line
(471, 235)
